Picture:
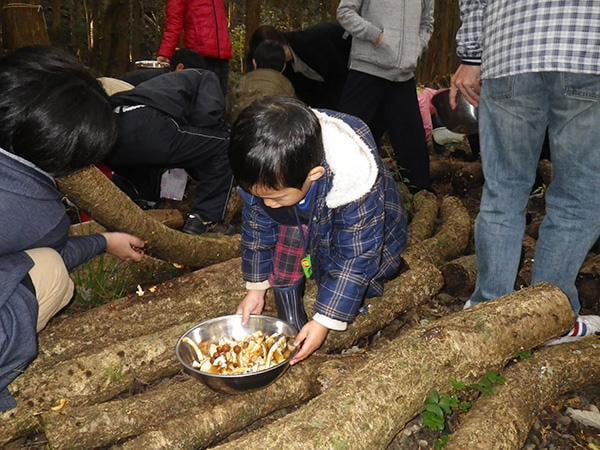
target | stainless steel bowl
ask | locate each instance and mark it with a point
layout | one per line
(463, 119)
(151, 64)
(231, 327)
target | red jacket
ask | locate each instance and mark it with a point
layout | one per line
(204, 24)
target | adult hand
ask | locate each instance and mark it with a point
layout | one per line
(253, 303)
(379, 40)
(467, 80)
(124, 246)
(162, 59)
(311, 336)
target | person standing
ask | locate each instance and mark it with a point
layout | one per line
(531, 65)
(206, 31)
(388, 36)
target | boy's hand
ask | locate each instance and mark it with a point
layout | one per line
(124, 246)
(311, 336)
(252, 304)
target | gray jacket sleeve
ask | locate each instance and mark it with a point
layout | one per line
(426, 26)
(469, 36)
(349, 17)
(80, 249)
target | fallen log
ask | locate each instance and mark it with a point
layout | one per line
(460, 275)
(89, 189)
(423, 222)
(442, 168)
(504, 419)
(195, 416)
(467, 177)
(378, 399)
(545, 171)
(451, 239)
(171, 218)
(588, 282)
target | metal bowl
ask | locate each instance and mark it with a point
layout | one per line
(463, 119)
(151, 64)
(231, 327)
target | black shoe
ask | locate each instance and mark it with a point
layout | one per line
(290, 305)
(197, 225)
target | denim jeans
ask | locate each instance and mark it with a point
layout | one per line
(513, 115)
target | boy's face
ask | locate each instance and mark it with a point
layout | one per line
(278, 198)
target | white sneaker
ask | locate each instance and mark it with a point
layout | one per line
(584, 326)
(468, 304)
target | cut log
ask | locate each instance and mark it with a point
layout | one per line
(171, 218)
(195, 416)
(467, 177)
(89, 189)
(378, 399)
(460, 275)
(423, 222)
(504, 419)
(451, 239)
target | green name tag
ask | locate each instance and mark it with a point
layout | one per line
(307, 266)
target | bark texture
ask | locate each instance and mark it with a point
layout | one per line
(460, 275)
(545, 171)
(451, 239)
(588, 282)
(467, 177)
(23, 25)
(171, 218)
(527, 261)
(89, 189)
(503, 421)
(378, 399)
(423, 222)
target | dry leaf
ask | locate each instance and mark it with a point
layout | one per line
(139, 291)
(60, 405)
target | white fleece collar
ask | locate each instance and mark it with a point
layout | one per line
(350, 159)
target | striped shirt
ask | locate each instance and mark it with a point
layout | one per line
(509, 37)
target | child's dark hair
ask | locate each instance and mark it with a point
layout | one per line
(275, 143)
(261, 34)
(53, 112)
(189, 58)
(269, 55)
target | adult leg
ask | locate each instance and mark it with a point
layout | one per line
(53, 286)
(512, 123)
(572, 222)
(362, 96)
(403, 122)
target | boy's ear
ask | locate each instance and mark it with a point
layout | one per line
(179, 67)
(316, 173)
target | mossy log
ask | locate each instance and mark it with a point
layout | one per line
(468, 176)
(375, 401)
(503, 421)
(171, 218)
(460, 275)
(450, 240)
(188, 414)
(89, 189)
(423, 222)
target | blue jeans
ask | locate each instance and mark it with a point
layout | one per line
(513, 116)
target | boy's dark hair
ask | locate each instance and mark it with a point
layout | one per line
(275, 143)
(261, 34)
(269, 55)
(53, 112)
(189, 58)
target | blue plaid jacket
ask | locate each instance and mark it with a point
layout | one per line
(354, 248)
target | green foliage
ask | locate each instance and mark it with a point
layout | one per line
(437, 408)
(487, 384)
(441, 442)
(115, 374)
(522, 356)
(458, 385)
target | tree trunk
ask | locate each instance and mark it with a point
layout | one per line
(423, 222)
(23, 24)
(252, 21)
(460, 276)
(504, 419)
(375, 401)
(89, 189)
(171, 218)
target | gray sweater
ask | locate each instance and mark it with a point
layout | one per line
(406, 26)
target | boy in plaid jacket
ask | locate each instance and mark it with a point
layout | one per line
(318, 202)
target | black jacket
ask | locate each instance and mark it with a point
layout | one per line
(326, 50)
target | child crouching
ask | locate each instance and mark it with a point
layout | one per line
(318, 202)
